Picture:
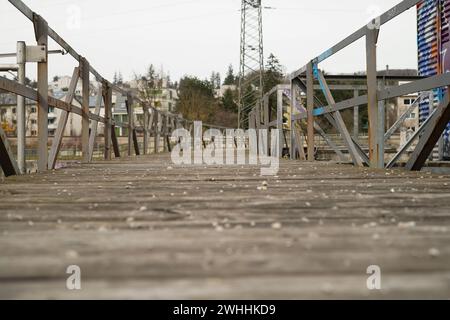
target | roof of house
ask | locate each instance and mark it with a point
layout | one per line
(9, 99)
(120, 105)
(93, 102)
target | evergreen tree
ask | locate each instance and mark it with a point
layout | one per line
(274, 74)
(228, 101)
(230, 79)
(150, 76)
(214, 80)
(218, 80)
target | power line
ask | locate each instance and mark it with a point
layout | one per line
(144, 10)
(121, 13)
(147, 25)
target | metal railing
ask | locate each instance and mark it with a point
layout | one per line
(304, 79)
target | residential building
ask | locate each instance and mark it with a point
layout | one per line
(164, 98)
(224, 88)
(411, 124)
(120, 113)
(8, 114)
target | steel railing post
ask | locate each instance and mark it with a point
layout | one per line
(310, 110)
(21, 109)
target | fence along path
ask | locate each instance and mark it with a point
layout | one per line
(304, 79)
(157, 123)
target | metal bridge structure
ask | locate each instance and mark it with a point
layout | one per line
(431, 130)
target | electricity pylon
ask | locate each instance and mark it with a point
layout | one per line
(251, 81)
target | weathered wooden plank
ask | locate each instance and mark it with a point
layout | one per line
(339, 121)
(14, 87)
(146, 131)
(136, 143)
(115, 142)
(157, 127)
(164, 130)
(431, 135)
(131, 133)
(109, 126)
(94, 124)
(310, 112)
(57, 140)
(17, 88)
(7, 161)
(41, 33)
(85, 125)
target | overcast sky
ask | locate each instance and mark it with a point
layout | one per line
(196, 37)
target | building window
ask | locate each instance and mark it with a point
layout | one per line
(33, 110)
(407, 102)
(412, 115)
(14, 110)
(33, 121)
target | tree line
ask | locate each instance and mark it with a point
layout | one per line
(210, 100)
(199, 99)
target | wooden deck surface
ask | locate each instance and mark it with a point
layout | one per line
(144, 228)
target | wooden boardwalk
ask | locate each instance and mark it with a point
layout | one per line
(143, 228)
